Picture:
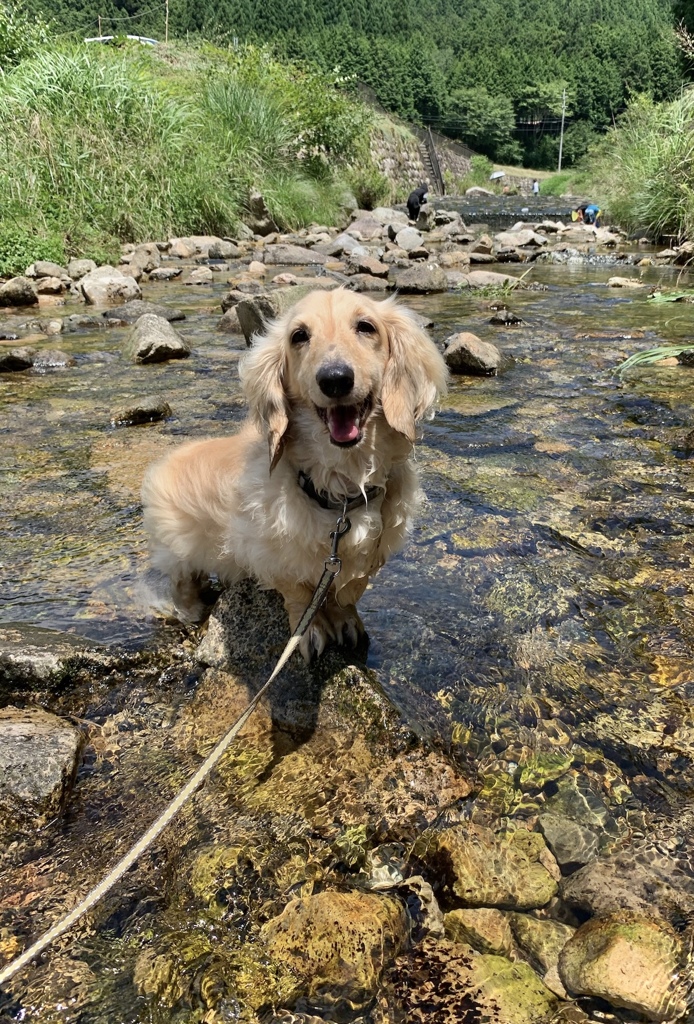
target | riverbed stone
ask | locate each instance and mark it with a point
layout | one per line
(78, 268)
(47, 268)
(18, 291)
(626, 282)
(38, 760)
(408, 239)
(465, 353)
(49, 286)
(230, 323)
(282, 254)
(145, 258)
(491, 279)
(424, 279)
(365, 227)
(144, 410)
(222, 249)
(573, 845)
(368, 283)
(485, 929)
(153, 340)
(449, 982)
(165, 273)
(201, 275)
(52, 359)
(14, 360)
(631, 961)
(540, 938)
(109, 286)
(487, 869)
(32, 657)
(339, 944)
(130, 312)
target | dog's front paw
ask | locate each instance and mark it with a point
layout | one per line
(316, 637)
(346, 624)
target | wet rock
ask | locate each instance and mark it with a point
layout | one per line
(626, 282)
(575, 798)
(424, 279)
(631, 961)
(8, 336)
(573, 845)
(257, 268)
(39, 753)
(516, 239)
(487, 869)
(32, 657)
(408, 239)
(202, 275)
(482, 247)
(292, 255)
(426, 218)
(83, 322)
(19, 291)
(368, 265)
(108, 286)
(485, 929)
(52, 359)
(153, 340)
(343, 244)
(468, 354)
(78, 269)
(230, 323)
(445, 981)
(422, 907)
(542, 940)
(224, 250)
(456, 258)
(15, 359)
(505, 318)
(339, 944)
(639, 881)
(47, 268)
(367, 283)
(489, 279)
(481, 257)
(165, 273)
(181, 248)
(145, 410)
(130, 312)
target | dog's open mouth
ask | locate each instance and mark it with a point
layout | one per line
(346, 422)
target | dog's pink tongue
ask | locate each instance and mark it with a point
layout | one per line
(343, 422)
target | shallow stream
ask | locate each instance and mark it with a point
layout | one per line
(540, 621)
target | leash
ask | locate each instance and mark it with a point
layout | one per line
(333, 564)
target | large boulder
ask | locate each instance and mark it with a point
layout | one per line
(47, 268)
(144, 259)
(281, 254)
(77, 269)
(259, 219)
(223, 249)
(108, 286)
(39, 753)
(154, 340)
(525, 237)
(365, 226)
(409, 239)
(19, 291)
(424, 279)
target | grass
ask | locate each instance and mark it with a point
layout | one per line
(102, 145)
(652, 355)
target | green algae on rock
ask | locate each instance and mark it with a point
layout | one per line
(485, 929)
(338, 944)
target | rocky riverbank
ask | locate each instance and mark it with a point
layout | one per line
(486, 841)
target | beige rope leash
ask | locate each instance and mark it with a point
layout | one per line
(332, 568)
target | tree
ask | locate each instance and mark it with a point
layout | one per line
(486, 123)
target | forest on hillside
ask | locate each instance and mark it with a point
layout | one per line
(493, 74)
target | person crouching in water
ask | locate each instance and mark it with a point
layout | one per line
(415, 200)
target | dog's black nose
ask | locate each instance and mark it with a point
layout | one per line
(335, 379)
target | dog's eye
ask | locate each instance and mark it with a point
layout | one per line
(365, 327)
(300, 336)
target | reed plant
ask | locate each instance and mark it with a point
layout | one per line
(103, 144)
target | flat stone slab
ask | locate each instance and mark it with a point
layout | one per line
(292, 255)
(32, 657)
(39, 753)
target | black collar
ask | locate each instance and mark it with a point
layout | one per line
(325, 501)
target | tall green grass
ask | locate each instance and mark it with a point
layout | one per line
(643, 170)
(101, 144)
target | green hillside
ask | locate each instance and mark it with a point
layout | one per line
(491, 74)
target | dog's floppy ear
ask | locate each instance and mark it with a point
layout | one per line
(262, 374)
(415, 374)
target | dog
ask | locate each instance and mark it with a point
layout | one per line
(335, 389)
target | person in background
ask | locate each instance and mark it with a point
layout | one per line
(591, 214)
(536, 187)
(415, 200)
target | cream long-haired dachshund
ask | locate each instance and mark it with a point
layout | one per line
(335, 388)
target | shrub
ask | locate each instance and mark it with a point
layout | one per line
(20, 246)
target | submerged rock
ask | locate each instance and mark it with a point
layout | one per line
(631, 961)
(466, 353)
(32, 657)
(38, 760)
(485, 929)
(573, 845)
(338, 944)
(487, 869)
(153, 340)
(146, 410)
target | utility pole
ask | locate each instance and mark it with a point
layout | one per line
(166, 23)
(99, 25)
(561, 137)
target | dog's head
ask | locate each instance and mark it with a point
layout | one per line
(345, 358)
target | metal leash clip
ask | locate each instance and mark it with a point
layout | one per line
(333, 564)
